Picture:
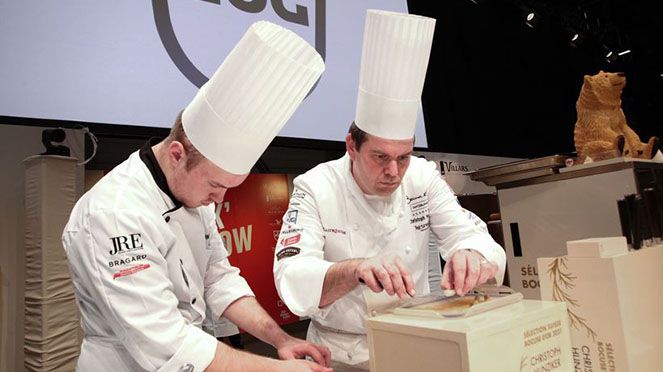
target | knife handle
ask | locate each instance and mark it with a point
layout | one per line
(625, 220)
(645, 222)
(634, 214)
(653, 214)
(361, 281)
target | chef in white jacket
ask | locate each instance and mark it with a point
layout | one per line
(367, 216)
(145, 255)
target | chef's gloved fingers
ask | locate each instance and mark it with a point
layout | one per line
(447, 277)
(488, 271)
(383, 275)
(294, 348)
(365, 275)
(406, 277)
(472, 272)
(386, 273)
(319, 368)
(459, 266)
(456, 272)
(320, 354)
(462, 271)
(396, 279)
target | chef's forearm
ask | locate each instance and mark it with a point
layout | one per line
(339, 280)
(247, 314)
(229, 359)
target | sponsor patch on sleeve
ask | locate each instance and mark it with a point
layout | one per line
(291, 240)
(287, 252)
(291, 216)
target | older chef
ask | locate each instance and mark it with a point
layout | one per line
(145, 255)
(367, 216)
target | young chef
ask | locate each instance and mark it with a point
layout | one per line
(145, 255)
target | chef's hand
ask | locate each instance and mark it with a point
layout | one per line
(386, 272)
(301, 366)
(465, 270)
(295, 348)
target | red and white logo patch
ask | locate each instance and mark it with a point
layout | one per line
(130, 270)
(291, 240)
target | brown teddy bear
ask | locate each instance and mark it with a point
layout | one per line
(601, 131)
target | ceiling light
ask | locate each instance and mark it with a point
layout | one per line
(611, 56)
(531, 18)
(575, 38)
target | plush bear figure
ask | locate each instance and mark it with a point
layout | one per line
(601, 131)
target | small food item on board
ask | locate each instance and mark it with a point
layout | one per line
(449, 292)
(453, 307)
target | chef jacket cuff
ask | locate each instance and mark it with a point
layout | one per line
(490, 250)
(197, 351)
(301, 284)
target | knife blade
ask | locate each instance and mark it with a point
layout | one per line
(645, 222)
(634, 215)
(625, 221)
(653, 214)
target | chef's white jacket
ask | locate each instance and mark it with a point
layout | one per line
(144, 268)
(329, 220)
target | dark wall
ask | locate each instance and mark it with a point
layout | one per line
(498, 87)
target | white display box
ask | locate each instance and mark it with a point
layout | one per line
(527, 336)
(615, 304)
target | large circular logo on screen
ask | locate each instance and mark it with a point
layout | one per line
(299, 16)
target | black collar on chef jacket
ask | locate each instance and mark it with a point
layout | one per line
(147, 156)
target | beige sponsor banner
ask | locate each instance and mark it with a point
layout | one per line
(614, 303)
(527, 336)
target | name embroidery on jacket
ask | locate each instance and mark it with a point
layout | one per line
(334, 231)
(420, 216)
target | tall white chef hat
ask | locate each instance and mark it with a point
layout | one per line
(238, 112)
(394, 59)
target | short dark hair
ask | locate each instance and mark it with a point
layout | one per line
(194, 157)
(358, 136)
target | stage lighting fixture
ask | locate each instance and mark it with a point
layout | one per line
(576, 38)
(624, 52)
(49, 136)
(531, 17)
(611, 56)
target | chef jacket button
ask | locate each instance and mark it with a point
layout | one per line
(187, 368)
(355, 227)
(193, 301)
(408, 250)
(167, 218)
(349, 356)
